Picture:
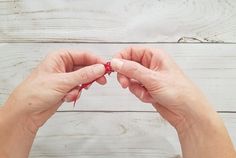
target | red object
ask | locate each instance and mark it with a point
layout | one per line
(108, 70)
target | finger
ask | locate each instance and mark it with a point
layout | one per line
(72, 95)
(138, 54)
(77, 68)
(85, 75)
(71, 59)
(134, 70)
(81, 58)
(124, 81)
(144, 56)
(102, 80)
(140, 92)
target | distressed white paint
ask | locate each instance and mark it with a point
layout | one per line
(92, 134)
(121, 20)
(212, 67)
(119, 134)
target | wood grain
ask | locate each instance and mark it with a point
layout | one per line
(118, 21)
(123, 126)
(212, 67)
(103, 135)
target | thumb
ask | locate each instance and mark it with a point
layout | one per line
(133, 70)
(85, 75)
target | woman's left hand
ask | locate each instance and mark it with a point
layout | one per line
(53, 82)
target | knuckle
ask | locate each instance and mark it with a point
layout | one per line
(129, 49)
(57, 53)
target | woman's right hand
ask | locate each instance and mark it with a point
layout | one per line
(154, 77)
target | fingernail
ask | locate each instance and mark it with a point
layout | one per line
(116, 64)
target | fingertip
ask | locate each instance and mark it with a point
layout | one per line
(116, 64)
(101, 61)
(102, 80)
(98, 69)
(71, 96)
(124, 81)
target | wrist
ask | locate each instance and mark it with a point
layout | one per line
(199, 122)
(17, 133)
(204, 135)
(198, 113)
(14, 114)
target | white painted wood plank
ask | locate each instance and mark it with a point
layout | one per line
(113, 135)
(106, 135)
(123, 20)
(212, 67)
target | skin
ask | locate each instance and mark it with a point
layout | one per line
(151, 75)
(37, 98)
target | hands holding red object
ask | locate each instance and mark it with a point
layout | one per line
(150, 74)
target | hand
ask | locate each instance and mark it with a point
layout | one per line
(53, 82)
(35, 100)
(153, 77)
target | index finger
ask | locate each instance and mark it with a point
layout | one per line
(145, 56)
(70, 59)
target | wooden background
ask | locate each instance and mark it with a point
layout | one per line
(199, 34)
